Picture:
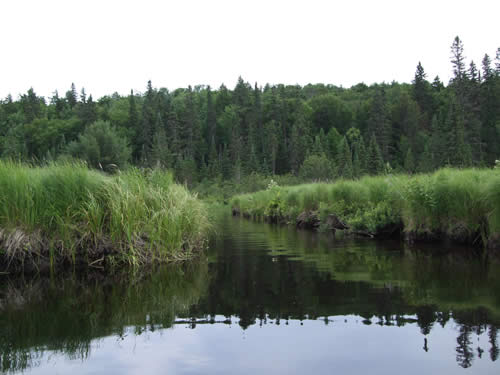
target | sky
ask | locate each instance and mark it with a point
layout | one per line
(112, 46)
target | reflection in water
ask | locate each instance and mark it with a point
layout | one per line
(267, 278)
(66, 315)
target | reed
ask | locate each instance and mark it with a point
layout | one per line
(65, 212)
(462, 204)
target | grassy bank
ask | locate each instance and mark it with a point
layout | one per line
(460, 204)
(66, 213)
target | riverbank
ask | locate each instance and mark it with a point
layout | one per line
(66, 214)
(460, 205)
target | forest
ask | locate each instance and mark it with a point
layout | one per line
(314, 132)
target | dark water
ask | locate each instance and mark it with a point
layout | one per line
(265, 299)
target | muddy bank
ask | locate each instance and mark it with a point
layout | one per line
(23, 253)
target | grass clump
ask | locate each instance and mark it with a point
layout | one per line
(461, 204)
(67, 213)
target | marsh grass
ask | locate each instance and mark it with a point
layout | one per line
(460, 203)
(67, 213)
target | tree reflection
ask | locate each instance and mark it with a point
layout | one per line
(492, 334)
(465, 355)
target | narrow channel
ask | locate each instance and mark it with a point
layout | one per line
(264, 299)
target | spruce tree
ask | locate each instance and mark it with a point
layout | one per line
(344, 160)
(379, 123)
(421, 90)
(409, 163)
(145, 138)
(71, 96)
(462, 157)
(359, 157)
(160, 154)
(426, 162)
(214, 168)
(375, 161)
(134, 129)
(211, 119)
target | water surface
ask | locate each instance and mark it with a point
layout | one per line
(265, 299)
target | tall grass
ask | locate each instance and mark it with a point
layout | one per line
(66, 212)
(462, 203)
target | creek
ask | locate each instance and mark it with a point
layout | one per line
(264, 299)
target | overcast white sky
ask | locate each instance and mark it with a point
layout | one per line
(109, 45)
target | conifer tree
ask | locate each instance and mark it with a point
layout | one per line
(380, 125)
(409, 163)
(421, 90)
(271, 144)
(71, 96)
(134, 129)
(160, 154)
(426, 162)
(359, 157)
(375, 161)
(344, 160)
(461, 150)
(226, 163)
(490, 111)
(211, 120)
(214, 168)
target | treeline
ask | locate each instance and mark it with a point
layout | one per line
(316, 131)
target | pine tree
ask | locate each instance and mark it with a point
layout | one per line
(459, 80)
(379, 124)
(490, 111)
(214, 168)
(359, 157)
(344, 160)
(438, 147)
(211, 121)
(257, 122)
(71, 96)
(317, 147)
(253, 161)
(271, 144)
(421, 90)
(134, 130)
(375, 161)
(160, 154)
(300, 143)
(145, 137)
(426, 162)
(31, 105)
(437, 85)
(226, 163)
(58, 104)
(461, 150)
(497, 61)
(409, 163)
(458, 59)
(83, 96)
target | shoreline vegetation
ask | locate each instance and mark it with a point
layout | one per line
(65, 214)
(458, 205)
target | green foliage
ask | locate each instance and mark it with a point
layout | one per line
(344, 160)
(272, 130)
(101, 146)
(409, 162)
(374, 161)
(316, 167)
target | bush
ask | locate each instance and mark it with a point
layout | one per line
(316, 168)
(101, 147)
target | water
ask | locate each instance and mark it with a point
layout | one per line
(265, 299)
